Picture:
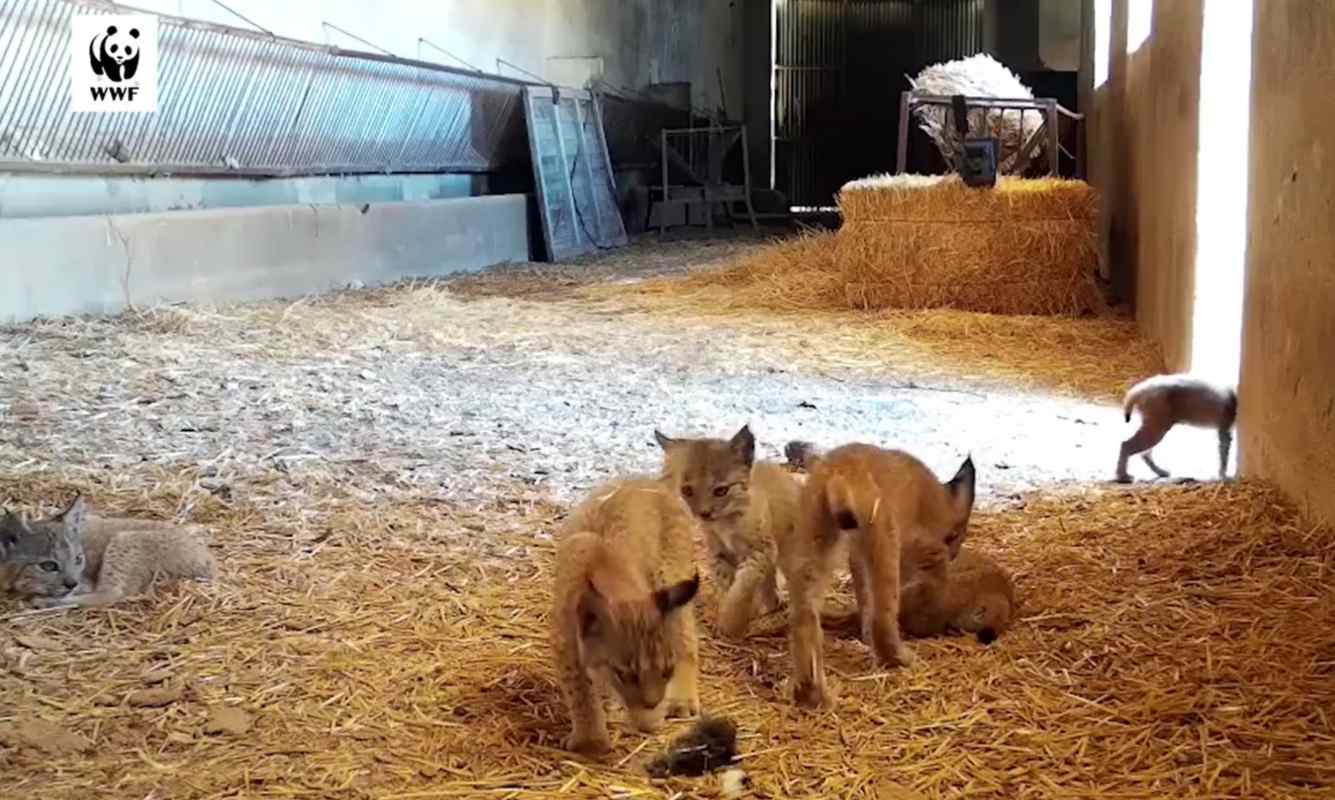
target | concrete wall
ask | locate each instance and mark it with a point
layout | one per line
(633, 42)
(1141, 152)
(100, 264)
(37, 195)
(1287, 401)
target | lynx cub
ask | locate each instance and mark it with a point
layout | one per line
(74, 559)
(743, 506)
(622, 610)
(1166, 400)
(890, 510)
(975, 595)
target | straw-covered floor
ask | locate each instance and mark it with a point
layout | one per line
(382, 470)
(1173, 643)
(1029, 246)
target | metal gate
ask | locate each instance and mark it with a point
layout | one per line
(839, 66)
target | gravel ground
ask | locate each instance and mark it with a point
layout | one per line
(460, 390)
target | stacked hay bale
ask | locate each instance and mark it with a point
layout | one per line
(917, 242)
(1025, 247)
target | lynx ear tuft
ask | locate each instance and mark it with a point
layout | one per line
(743, 444)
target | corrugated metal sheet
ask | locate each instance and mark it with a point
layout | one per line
(839, 68)
(948, 29)
(236, 101)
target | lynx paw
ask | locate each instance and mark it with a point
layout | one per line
(904, 656)
(588, 744)
(896, 655)
(683, 708)
(47, 602)
(1123, 478)
(811, 695)
(972, 620)
(648, 721)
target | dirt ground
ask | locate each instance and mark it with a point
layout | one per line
(382, 471)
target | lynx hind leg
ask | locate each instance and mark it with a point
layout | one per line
(768, 600)
(1225, 444)
(1151, 432)
(883, 597)
(808, 575)
(1148, 458)
(683, 691)
(864, 594)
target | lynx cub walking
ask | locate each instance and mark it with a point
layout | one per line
(891, 510)
(622, 610)
(74, 559)
(1167, 400)
(742, 506)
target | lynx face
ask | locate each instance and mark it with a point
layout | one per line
(47, 556)
(712, 475)
(631, 642)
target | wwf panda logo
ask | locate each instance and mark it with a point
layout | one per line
(115, 54)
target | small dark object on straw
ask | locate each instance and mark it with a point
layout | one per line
(711, 743)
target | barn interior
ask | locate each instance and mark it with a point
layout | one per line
(375, 295)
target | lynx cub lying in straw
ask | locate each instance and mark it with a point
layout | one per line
(891, 510)
(742, 506)
(622, 610)
(1166, 400)
(974, 595)
(74, 559)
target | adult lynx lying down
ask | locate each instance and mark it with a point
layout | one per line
(622, 611)
(74, 559)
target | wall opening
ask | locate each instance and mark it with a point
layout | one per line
(1102, 41)
(1139, 23)
(1221, 188)
(773, 89)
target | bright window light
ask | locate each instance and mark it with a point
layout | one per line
(1139, 23)
(1221, 188)
(1102, 40)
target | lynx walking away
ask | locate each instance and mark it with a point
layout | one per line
(882, 502)
(743, 507)
(75, 559)
(1168, 400)
(622, 611)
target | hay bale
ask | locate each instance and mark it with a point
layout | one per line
(977, 76)
(1025, 247)
(918, 242)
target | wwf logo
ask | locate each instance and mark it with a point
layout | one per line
(115, 54)
(113, 64)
